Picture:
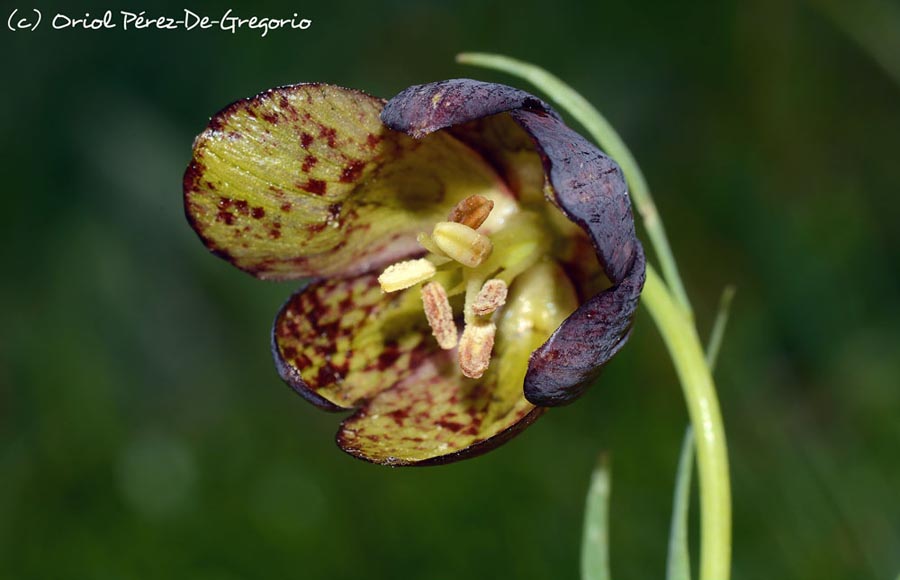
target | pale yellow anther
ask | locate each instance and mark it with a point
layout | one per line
(491, 297)
(439, 315)
(462, 243)
(475, 348)
(402, 275)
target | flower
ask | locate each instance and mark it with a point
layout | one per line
(456, 206)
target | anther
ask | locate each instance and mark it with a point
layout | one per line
(475, 348)
(402, 275)
(462, 243)
(439, 315)
(491, 297)
(472, 211)
(428, 243)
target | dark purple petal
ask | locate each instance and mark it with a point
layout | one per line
(564, 366)
(588, 187)
(423, 109)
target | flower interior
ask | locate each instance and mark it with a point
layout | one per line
(480, 268)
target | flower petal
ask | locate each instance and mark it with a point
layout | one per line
(588, 187)
(340, 342)
(423, 109)
(435, 416)
(305, 180)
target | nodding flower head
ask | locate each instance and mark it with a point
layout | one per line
(471, 260)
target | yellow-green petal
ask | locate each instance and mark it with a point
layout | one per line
(343, 344)
(436, 416)
(305, 180)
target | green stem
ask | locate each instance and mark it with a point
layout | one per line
(600, 129)
(681, 339)
(670, 310)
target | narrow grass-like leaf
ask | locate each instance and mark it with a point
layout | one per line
(595, 542)
(718, 329)
(872, 25)
(679, 564)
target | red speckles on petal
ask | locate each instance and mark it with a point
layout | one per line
(306, 140)
(314, 186)
(328, 374)
(352, 171)
(288, 108)
(286, 207)
(309, 163)
(216, 123)
(225, 216)
(328, 133)
(258, 213)
(373, 140)
(193, 177)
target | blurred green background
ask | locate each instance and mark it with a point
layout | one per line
(145, 434)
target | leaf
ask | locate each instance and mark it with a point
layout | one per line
(679, 563)
(595, 541)
(718, 330)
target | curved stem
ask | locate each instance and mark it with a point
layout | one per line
(681, 339)
(671, 311)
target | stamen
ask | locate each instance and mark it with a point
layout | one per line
(475, 348)
(472, 211)
(439, 315)
(462, 243)
(473, 288)
(426, 242)
(402, 275)
(491, 297)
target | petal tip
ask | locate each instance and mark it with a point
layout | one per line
(347, 441)
(289, 373)
(573, 357)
